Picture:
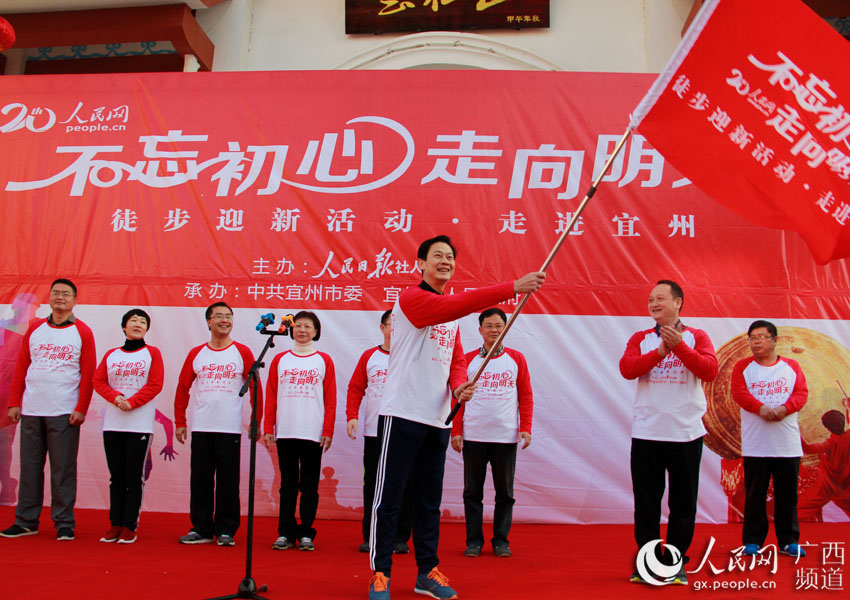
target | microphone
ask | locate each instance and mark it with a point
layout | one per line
(286, 323)
(265, 321)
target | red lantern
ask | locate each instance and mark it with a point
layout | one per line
(7, 35)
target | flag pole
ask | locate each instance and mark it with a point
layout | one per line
(546, 263)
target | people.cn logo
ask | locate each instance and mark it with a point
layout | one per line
(652, 570)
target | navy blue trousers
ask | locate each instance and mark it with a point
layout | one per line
(408, 450)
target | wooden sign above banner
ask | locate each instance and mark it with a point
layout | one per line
(384, 16)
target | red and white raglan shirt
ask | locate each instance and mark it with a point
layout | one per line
(427, 361)
(780, 384)
(669, 401)
(503, 403)
(301, 397)
(53, 375)
(366, 388)
(136, 375)
(216, 378)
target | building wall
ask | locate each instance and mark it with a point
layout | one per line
(630, 36)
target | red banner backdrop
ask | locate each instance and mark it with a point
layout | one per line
(752, 109)
(313, 189)
(289, 190)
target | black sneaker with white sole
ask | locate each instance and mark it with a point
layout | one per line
(17, 531)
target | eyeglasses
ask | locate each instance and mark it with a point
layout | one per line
(222, 317)
(753, 338)
(61, 294)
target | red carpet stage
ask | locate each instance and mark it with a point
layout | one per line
(566, 561)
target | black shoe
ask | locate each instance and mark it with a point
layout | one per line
(400, 548)
(472, 551)
(65, 534)
(502, 550)
(17, 531)
(681, 577)
(364, 547)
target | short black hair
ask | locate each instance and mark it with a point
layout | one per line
(135, 312)
(67, 282)
(771, 328)
(675, 289)
(306, 314)
(490, 312)
(212, 307)
(425, 246)
(386, 316)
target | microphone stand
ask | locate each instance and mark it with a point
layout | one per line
(248, 588)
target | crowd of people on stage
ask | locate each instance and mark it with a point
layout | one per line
(404, 389)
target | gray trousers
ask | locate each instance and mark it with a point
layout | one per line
(57, 438)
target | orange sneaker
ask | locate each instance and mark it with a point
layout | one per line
(379, 587)
(434, 584)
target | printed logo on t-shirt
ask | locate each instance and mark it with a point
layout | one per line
(489, 380)
(217, 378)
(444, 336)
(129, 368)
(128, 375)
(299, 383)
(669, 370)
(771, 393)
(52, 354)
(378, 377)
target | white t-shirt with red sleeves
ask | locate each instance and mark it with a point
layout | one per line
(669, 399)
(215, 378)
(137, 376)
(426, 359)
(493, 413)
(301, 396)
(53, 375)
(771, 386)
(419, 367)
(366, 388)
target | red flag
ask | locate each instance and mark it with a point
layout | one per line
(752, 109)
